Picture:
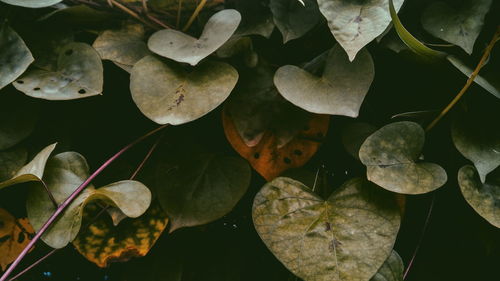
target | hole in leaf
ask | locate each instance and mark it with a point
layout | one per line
(256, 155)
(287, 160)
(20, 81)
(82, 91)
(36, 89)
(69, 52)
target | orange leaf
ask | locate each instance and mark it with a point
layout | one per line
(15, 234)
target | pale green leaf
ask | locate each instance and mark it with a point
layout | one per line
(391, 270)
(32, 3)
(294, 19)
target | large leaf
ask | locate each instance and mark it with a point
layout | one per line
(18, 117)
(15, 57)
(32, 3)
(79, 74)
(347, 237)
(166, 93)
(458, 25)
(181, 47)
(356, 23)
(103, 243)
(294, 19)
(339, 91)
(391, 157)
(33, 171)
(391, 270)
(64, 173)
(201, 189)
(483, 197)
(15, 234)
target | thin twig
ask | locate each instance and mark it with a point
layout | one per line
(179, 11)
(194, 15)
(115, 3)
(51, 196)
(33, 264)
(146, 158)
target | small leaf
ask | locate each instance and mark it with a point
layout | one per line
(15, 57)
(457, 25)
(354, 24)
(483, 197)
(391, 270)
(166, 93)
(340, 90)
(32, 3)
(79, 74)
(15, 234)
(391, 158)
(347, 237)
(64, 173)
(103, 243)
(33, 171)
(18, 117)
(294, 19)
(181, 47)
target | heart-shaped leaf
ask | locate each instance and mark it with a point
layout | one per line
(103, 243)
(347, 237)
(340, 90)
(181, 47)
(457, 25)
(166, 93)
(483, 197)
(79, 74)
(33, 171)
(32, 3)
(64, 173)
(294, 19)
(356, 23)
(18, 117)
(391, 270)
(391, 158)
(15, 57)
(201, 189)
(15, 234)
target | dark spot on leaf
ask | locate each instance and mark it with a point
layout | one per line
(328, 227)
(69, 52)
(20, 238)
(358, 19)
(82, 91)
(4, 238)
(36, 89)
(20, 81)
(179, 99)
(256, 155)
(287, 160)
(297, 152)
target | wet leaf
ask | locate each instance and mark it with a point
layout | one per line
(347, 237)
(18, 117)
(484, 198)
(339, 91)
(15, 234)
(79, 74)
(103, 243)
(64, 174)
(181, 47)
(33, 171)
(201, 189)
(32, 3)
(15, 57)
(391, 270)
(391, 157)
(294, 19)
(166, 93)
(354, 24)
(458, 25)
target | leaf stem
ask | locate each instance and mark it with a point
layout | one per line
(34, 264)
(71, 198)
(194, 15)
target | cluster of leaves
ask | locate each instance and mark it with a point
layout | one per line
(275, 113)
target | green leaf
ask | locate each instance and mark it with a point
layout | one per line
(483, 197)
(458, 25)
(339, 91)
(15, 57)
(354, 24)
(18, 117)
(391, 157)
(294, 19)
(410, 41)
(347, 237)
(181, 47)
(391, 270)
(201, 189)
(33, 171)
(167, 94)
(64, 174)
(79, 74)
(32, 3)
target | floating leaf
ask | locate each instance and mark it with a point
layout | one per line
(294, 19)
(340, 90)
(181, 47)
(32, 3)
(166, 93)
(356, 23)
(391, 270)
(460, 26)
(347, 237)
(15, 57)
(63, 175)
(33, 171)
(79, 74)
(18, 117)
(483, 197)
(15, 234)
(391, 157)
(201, 189)
(103, 243)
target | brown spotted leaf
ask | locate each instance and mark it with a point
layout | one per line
(15, 234)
